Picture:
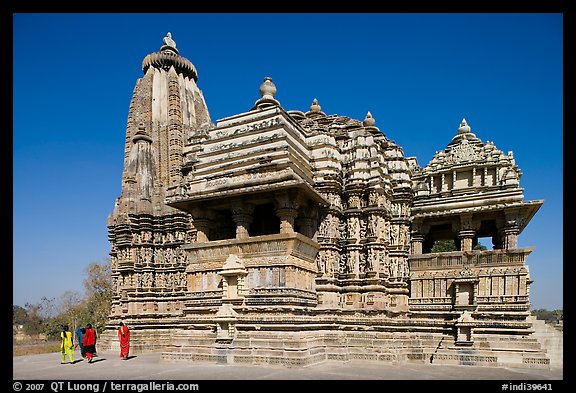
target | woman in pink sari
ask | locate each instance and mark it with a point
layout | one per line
(124, 337)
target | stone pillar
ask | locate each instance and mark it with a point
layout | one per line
(467, 231)
(418, 236)
(242, 217)
(201, 219)
(416, 241)
(466, 238)
(286, 210)
(511, 229)
(510, 237)
(287, 216)
(306, 226)
(306, 220)
(202, 226)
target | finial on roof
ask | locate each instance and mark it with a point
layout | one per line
(169, 44)
(369, 121)
(464, 136)
(315, 107)
(267, 88)
(315, 110)
(464, 127)
(267, 94)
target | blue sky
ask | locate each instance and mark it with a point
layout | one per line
(418, 74)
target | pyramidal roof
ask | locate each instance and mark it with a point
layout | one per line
(464, 148)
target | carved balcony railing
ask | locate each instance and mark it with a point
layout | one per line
(216, 252)
(455, 259)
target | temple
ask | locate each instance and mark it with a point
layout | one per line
(293, 237)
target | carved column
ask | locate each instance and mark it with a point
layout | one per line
(242, 217)
(466, 237)
(306, 221)
(417, 240)
(287, 216)
(510, 237)
(467, 232)
(511, 229)
(286, 210)
(417, 236)
(306, 226)
(202, 222)
(202, 227)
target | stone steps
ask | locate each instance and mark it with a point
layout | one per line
(551, 340)
(304, 349)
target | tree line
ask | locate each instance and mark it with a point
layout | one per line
(550, 316)
(47, 316)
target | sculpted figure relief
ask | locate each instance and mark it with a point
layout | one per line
(321, 261)
(372, 226)
(343, 264)
(353, 228)
(394, 234)
(159, 256)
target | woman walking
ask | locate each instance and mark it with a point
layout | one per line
(89, 342)
(124, 337)
(80, 344)
(66, 345)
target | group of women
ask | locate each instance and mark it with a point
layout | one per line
(87, 342)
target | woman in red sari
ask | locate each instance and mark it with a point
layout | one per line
(124, 337)
(89, 342)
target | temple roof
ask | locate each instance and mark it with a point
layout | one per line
(466, 148)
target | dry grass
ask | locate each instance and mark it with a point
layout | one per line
(35, 348)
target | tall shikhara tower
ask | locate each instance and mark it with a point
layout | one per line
(167, 111)
(290, 237)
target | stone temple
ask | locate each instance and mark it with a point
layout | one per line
(293, 237)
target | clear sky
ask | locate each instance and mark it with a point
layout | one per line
(418, 74)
